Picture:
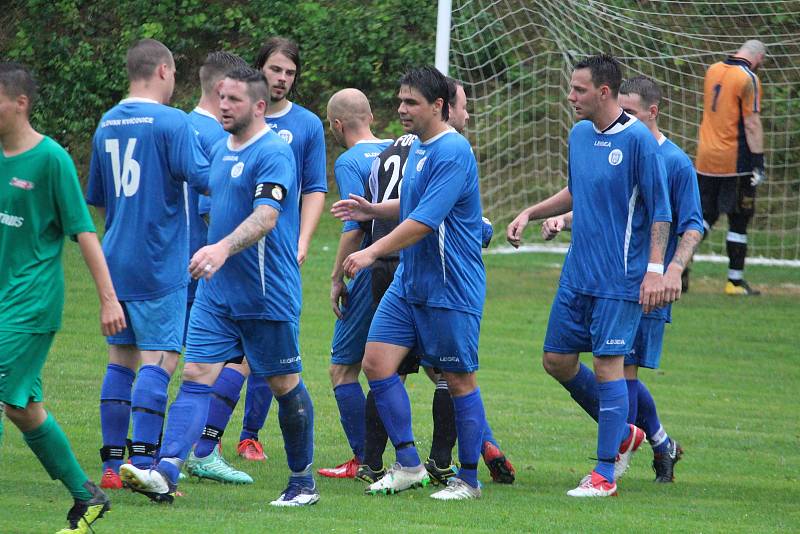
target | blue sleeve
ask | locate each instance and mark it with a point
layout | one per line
(274, 168)
(312, 172)
(348, 180)
(686, 201)
(445, 184)
(95, 189)
(653, 185)
(185, 155)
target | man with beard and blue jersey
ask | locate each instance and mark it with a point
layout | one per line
(641, 97)
(249, 299)
(143, 152)
(349, 119)
(618, 190)
(435, 300)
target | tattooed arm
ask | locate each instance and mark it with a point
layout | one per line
(209, 259)
(651, 292)
(683, 255)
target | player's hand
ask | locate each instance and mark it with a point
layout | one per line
(516, 228)
(672, 284)
(651, 292)
(758, 178)
(338, 296)
(208, 260)
(112, 318)
(355, 208)
(552, 227)
(357, 261)
(302, 252)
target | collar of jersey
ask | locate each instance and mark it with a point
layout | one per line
(622, 122)
(205, 112)
(137, 100)
(379, 141)
(281, 113)
(256, 137)
(736, 60)
(436, 137)
(662, 139)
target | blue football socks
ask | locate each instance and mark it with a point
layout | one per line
(394, 408)
(296, 419)
(187, 417)
(633, 399)
(471, 426)
(148, 405)
(256, 407)
(224, 397)
(611, 424)
(351, 401)
(583, 388)
(649, 422)
(115, 413)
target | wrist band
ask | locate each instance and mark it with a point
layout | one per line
(655, 268)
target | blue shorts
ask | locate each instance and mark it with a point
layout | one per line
(447, 339)
(583, 323)
(647, 346)
(271, 346)
(156, 324)
(350, 332)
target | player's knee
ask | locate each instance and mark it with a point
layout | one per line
(559, 366)
(460, 384)
(343, 374)
(28, 418)
(283, 384)
(198, 372)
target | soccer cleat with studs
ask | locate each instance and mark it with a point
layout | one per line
(457, 490)
(84, 513)
(297, 495)
(215, 467)
(664, 463)
(500, 468)
(439, 475)
(369, 475)
(740, 289)
(110, 479)
(399, 478)
(251, 449)
(631, 444)
(151, 483)
(594, 485)
(346, 470)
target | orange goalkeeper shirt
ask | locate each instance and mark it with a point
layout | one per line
(731, 92)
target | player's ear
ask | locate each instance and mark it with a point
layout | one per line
(438, 104)
(653, 111)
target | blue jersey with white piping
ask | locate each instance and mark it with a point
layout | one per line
(304, 132)
(263, 280)
(440, 190)
(209, 131)
(618, 184)
(352, 172)
(143, 152)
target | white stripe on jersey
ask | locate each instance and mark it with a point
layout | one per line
(441, 251)
(628, 229)
(261, 246)
(186, 207)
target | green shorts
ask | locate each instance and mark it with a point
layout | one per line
(22, 357)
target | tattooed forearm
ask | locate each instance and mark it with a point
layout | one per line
(686, 247)
(256, 226)
(659, 234)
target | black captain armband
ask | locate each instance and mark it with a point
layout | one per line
(270, 190)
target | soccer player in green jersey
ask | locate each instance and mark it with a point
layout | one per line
(41, 202)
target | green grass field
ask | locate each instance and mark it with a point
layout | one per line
(727, 390)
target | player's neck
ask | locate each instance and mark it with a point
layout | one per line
(276, 107)
(20, 139)
(606, 116)
(256, 125)
(434, 128)
(143, 89)
(211, 105)
(361, 136)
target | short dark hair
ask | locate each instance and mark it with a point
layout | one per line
(643, 86)
(432, 84)
(216, 67)
(288, 48)
(605, 70)
(143, 58)
(255, 80)
(16, 79)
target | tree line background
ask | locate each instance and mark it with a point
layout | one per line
(77, 50)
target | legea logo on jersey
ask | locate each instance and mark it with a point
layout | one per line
(236, 170)
(421, 163)
(22, 184)
(615, 157)
(286, 135)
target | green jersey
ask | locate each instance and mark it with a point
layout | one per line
(40, 202)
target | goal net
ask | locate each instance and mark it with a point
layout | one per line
(515, 58)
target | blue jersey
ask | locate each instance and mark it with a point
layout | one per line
(209, 131)
(263, 280)
(352, 172)
(304, 132)
(684, 197)
(440, 190)
(619, 188)
(142, 153)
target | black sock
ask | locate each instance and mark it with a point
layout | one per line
(444, 426)
(376, 437)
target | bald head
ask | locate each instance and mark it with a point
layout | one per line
(753, 51)
(351, 107)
